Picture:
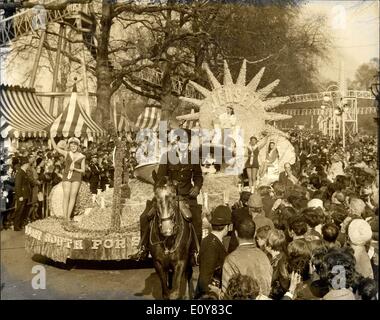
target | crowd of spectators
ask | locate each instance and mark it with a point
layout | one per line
(45, 171)
(313, 234)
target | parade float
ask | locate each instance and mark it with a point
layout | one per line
(91, 235)
(253, 115)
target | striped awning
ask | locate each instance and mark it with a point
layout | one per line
(5, 128)
(74, 121)
(149, 119)
(22, 114)
(123, 124)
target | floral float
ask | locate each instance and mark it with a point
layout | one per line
(89, 236)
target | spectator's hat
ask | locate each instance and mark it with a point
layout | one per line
(221, 216)
(74, 140)
(255, 201)
(359, 232)
(315, 203)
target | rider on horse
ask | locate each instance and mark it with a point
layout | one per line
(187, 176)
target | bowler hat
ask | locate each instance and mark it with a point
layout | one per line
(221, 216)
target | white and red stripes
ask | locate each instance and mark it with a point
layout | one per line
(123, 124)
(74, 121)
(22, 114)
(149, 119)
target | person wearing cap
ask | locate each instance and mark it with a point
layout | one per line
(187, 177)
(94, 173)
(212, 252)
(255, 212)
(72, 174)
(22, 193)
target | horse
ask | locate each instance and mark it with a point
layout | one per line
(169, 243)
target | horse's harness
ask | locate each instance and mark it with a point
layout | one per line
(175, 212)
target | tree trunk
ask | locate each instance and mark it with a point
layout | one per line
(102, 114)
(103, 70)
(118, 179)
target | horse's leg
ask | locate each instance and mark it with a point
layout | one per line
(163, 279)
(179, 281)
(170, 279)
(190, 285)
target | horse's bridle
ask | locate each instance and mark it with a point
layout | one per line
(176, 228)
(170, 217)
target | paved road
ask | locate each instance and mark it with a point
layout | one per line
(77, 280)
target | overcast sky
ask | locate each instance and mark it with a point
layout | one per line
(354, 26)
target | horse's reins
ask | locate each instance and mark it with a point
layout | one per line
(176, 243)
(178, 238)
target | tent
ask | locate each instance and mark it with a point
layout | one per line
(149, 119)
(123, 124)
(22, 114)
(74, 121)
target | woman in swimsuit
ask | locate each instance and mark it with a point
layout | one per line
(72, 174)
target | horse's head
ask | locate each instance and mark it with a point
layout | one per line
(165, 192)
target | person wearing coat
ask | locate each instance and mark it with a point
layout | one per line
(212, 252)
(22, 193)
(94, 174)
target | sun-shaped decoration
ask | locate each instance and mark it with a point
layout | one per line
(251, 108)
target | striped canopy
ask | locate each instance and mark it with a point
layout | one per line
(149, 119)
(74, 121)
(22, 114)
(123, 124)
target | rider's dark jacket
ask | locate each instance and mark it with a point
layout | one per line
(184, 172)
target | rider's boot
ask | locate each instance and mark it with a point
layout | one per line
(194, 248)
(145, 219)
(143, 252)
